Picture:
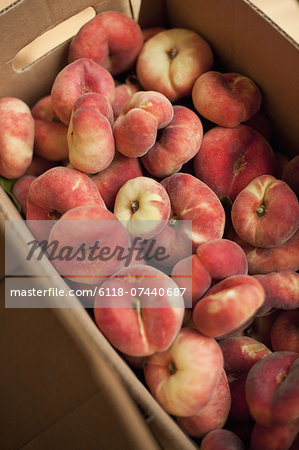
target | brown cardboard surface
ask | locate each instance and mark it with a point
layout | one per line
(36, 375)
(99, 428)
(63, 383)
(51, 398)
(7, 210)
(152, 13)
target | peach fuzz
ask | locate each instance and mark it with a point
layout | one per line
(276, 259)
(143, 205)
(43, 109)
(20, 191)
(191, 199)
(222, 258)
(89, 135)
(291, 174)
(99, 231)
(75, 79)
(39, 165)
(111, 39)
(214, 260)
(16, 137)
(226, 99)
(135, 129)
(211, 416)
(175, 145)
(266, 212)
(229, 158)
(136, 323)
(55, 192)
(221, 439)
(276, 437)
(190, 273)
(285, 331)
(272, 389)
(171, 61)
(228, 306)
(183, 378)
(66, 188)
(240, 353)
(281, 291)
(96, 101)
(123, 92)
(111, 179)
(175, 239)
(50, 140)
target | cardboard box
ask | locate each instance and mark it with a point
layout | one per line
(62, 384)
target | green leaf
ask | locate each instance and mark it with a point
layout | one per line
(7, 186)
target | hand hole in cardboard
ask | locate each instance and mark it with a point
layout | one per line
(51, 39)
